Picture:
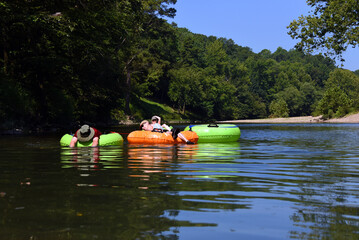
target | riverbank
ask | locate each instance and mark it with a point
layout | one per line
(354, 118)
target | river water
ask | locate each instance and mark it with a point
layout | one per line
(279, 181)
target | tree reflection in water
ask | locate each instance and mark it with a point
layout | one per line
(134, 190)
(326, 208)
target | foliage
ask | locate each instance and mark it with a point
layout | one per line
(70, 63)
(145, 109)
(279, 108)
(99, 61)
(332, 25)
(185, 87)
(340, 96)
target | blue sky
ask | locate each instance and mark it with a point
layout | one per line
(258, 24)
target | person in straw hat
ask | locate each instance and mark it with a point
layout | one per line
(85, 134)
(145, 125)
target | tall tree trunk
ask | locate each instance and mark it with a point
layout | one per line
(43, 111)
(128, 93)
(5, 49)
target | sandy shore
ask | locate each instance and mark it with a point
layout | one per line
(354, 118)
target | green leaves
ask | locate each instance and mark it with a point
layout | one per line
(185, 88)
(66, 53)
(332, 27)
(279, 108)
(341, 94)
(66, 61)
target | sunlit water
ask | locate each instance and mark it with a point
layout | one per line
(282, 181)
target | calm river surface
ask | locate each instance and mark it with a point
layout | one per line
(279, 181)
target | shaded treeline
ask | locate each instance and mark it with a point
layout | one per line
(65, 61)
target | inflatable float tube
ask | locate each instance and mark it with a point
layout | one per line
(148, 137)
(109, 139)
(208, 133)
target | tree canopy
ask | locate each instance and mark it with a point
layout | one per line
(332, 27)
(96, 61)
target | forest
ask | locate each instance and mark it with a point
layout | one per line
(97, 61)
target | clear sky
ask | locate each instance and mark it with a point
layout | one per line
(258, 24)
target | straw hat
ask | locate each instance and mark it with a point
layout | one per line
(85, 133)
(142, 123)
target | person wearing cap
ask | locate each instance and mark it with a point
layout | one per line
(156, 124)
(85, 134)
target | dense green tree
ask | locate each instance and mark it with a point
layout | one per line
(185, 87)
(294, 99)
(189, 52)
(65, 61)
(261, 79)
(335, 103)
(310, 96)
(265, 53)
(34, 41)
(69, 57)
(236, 52)
(340, 96)
(142, 24)
(210, 88)
(281, 82)
(279, 108)
(347, 81)
(226, 104)
(333, 25)
(280, 54)
(238, 76)
(256, 80)
(216, 58)
(191, 48)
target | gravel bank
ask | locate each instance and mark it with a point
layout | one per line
(354, 118)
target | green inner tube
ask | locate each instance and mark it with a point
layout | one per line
(109, 139)
(215, 132)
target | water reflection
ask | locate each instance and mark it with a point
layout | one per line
(146, 159)
(169, 158)
(321, 161)
(279, 182)
(217, 151)
(98, 158)
(328, 199)
(170, 171)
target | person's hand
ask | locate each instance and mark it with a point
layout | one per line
(73, 142)
(158, 118)
(95, 142)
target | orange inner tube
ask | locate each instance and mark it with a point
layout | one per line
(155, 137)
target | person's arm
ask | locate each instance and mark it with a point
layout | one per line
(166, 127)
(73, 142)
(158, 119)
(95, 142)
